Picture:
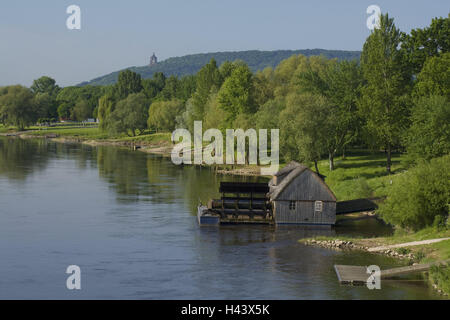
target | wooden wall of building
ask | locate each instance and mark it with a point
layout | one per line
(305, 190)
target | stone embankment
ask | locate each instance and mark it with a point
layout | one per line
(349, 245)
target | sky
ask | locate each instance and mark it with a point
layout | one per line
(35, 41)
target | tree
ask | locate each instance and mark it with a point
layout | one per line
(105, 107)
(383, 103)
(17, 106)
(162, 114)
(263, 88)
(45, 105)
(45, 91)
(64, 110)
(82, 111)
(128, 82)
(434, 79)
(170, 89)
(214, 115)
(186, 87)
(129, 116)
(339, 82)
(45, 85)
(429, 134)
(91, 94)
(422, 44)
(267, 116)
(418, 196)
(304, 127)
(209, 80)
(237, 93)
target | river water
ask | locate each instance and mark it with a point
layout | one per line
(127, 219)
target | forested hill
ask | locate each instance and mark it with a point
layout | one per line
(190, 64)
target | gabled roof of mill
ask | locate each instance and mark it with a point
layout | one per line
(290, 172)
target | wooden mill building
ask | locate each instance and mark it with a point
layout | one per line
(298, 195)
(295, 195)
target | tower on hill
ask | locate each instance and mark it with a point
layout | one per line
(153, 59)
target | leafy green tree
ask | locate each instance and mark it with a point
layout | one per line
(45, 85)
(105, 107)
(419, 195)
(214, 114)
(64, 110)
(264, 90)
(46, 91)
(17, 106)
(429, 134)
(82, 110)
(129, 116)
(162, 114)
(160, 80)
(434, 79)
(150, 89)
(268, 115)
(170, 89)
(339, 82)
(186, 87)
(304, 128)
(236, 95)
(421, 44)
(209, 80)
(227, 68)
(91, 94)
(128, 82)
(384, 103)
(45, 105)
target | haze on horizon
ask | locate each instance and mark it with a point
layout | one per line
(113, 36)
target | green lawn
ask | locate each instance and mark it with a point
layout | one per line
(361, 174)
(90, 133)
(87, 133)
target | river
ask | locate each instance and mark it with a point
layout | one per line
(127, 219)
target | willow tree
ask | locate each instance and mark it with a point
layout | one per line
(384, 98)
(17, 106)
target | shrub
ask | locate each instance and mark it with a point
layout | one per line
(419, 255)
(440, 276)
(440, 222)
(162, 115)
(420, 195)
(403, 250)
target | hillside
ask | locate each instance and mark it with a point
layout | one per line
(190, 64)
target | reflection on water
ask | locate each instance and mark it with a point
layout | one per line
(128, 220)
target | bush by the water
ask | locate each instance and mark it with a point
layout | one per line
(440, 276)
(419, 196)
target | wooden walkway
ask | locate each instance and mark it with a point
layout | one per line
(358, 275)
(407, 244)
(356, 205)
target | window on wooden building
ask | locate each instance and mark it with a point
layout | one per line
(318, 206)
(291, 205)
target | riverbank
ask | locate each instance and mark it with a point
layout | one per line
(427, 245)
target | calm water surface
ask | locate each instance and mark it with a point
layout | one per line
(128, 220)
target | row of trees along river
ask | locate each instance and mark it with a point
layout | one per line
(395, 99)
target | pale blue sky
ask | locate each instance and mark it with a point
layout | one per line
(34, 40)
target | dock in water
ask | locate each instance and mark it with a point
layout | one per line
(357, 275)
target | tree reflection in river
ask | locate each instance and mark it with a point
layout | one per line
(20, 157)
